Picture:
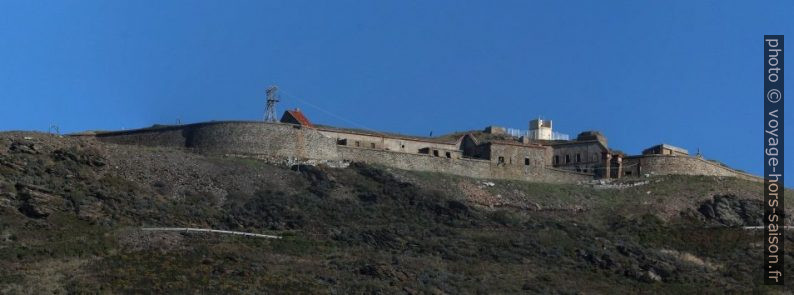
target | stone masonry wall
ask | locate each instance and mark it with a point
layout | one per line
(517, 154)
(418, 162)
(166, 136)
(234, 137)
(281, 141)
(684, 165)
(589, 153)
(393, 144)
(465, 167)
(562, 175)
(257, 138)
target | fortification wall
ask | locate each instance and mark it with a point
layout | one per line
(257, 138)
(684, 165)
(537, 174)
(561, 175)
(517, 155)
(234, 137)
(173, 136)
(393, 144)
(465, 167)
(418, 162)
(279, 141)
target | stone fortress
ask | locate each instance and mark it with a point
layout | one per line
(539, 154)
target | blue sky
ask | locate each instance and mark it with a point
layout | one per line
(687, 73)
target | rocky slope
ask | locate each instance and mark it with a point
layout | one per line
(72, 209)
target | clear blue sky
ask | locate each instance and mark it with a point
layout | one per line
(678, 72)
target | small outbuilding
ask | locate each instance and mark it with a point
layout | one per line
(665, 149)
(295, 117)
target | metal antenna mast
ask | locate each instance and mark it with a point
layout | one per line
(272, 99)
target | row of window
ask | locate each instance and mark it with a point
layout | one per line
(343, 141)
(568, 159)
(502, 161)
(447, 154)
(373, 145)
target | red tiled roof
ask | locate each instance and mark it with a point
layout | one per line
(298, 115)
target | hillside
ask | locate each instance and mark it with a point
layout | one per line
(72, 209)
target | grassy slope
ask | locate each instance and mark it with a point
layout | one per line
(360, 229)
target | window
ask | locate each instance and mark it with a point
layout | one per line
(435, 153)
(402, 146)
(567, 159)
(578, 158)
(372, 145)
(628, 173)
(556, 160)
(449, 155)
(595, 157)
(501, 160)
(526, 161)
(358, 143)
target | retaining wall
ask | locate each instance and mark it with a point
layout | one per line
(418, 162)
(464, 167)
(560, 175)
(684, 165)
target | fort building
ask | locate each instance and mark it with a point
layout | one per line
(538, 154)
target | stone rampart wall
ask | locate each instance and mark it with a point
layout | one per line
(256, 138)
(166, 136)
(684, 165)
(280, 141)
(389, 143)
(418, 162)
(561, 175)
(465, 167)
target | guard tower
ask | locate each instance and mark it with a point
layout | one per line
(540, 129)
